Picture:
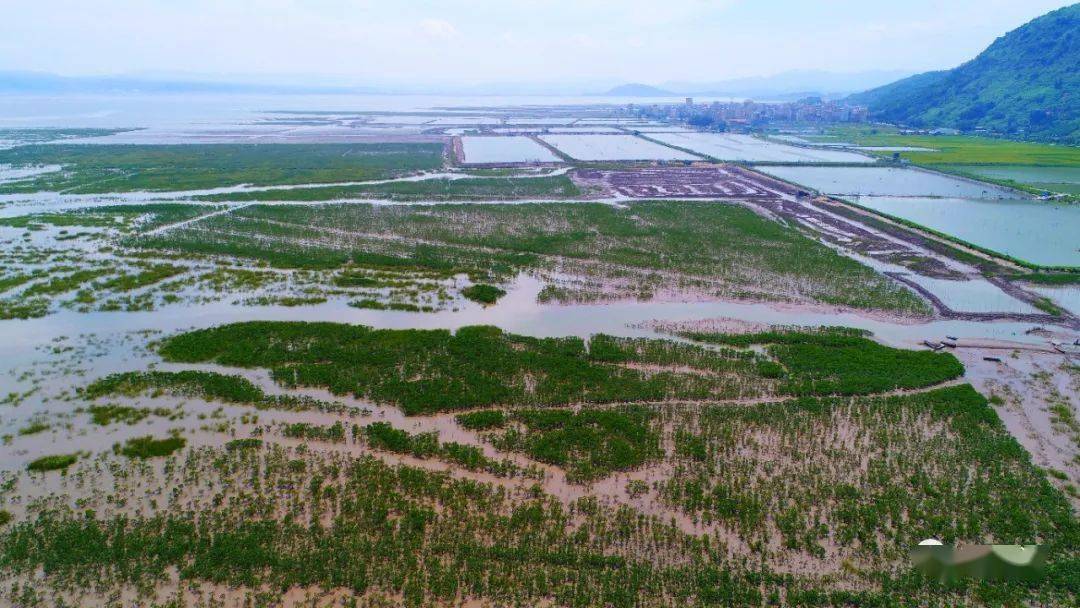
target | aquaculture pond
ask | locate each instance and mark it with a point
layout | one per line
(511, 149)
(1039, 232)
(886, 181)
(735, 147)
(614, 147)
(1065, 296)
(973, 295)
(1053, 179)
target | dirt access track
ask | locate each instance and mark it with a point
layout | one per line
(697, 181)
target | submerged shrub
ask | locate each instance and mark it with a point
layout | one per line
(148, 447)
(52, 463)
(484, 294)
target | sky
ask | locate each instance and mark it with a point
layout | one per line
(382, 42)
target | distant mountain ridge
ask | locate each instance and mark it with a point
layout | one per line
(784, 86)
(790, 85)
(637, 90)
(1027, 83)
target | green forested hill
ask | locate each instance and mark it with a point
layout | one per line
(1027, 83)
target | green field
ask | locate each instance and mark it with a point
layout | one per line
(90, 169)
(957, 149)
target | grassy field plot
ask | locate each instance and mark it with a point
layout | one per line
(635, 250)
(957, 149)
(125, 168)
(558, 186)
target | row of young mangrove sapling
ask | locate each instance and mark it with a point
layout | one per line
(109, 279)
(738, 253)
(255, 516)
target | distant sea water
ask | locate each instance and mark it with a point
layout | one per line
(175, 111)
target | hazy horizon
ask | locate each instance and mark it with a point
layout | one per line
(586, 43)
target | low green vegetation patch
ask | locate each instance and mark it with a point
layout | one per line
(1043, 278)
(355, 279)
(371, 304)
(426, 371)
(34, 428)
(125, 168)
(52, 463)
(937, 464)
(706, 246)
(65, 283)
(104, 415)
(287, 301)
(189, 383)
(844, 485)
(148, 447)
(960, 149)
(152, 274)
(31, 308)
(142, 216)
(1047, 305)
(482, 420)
(482, 293)
(305, 430)
(58, 219)
(247, 443)
(841, 362)
(12, 281)
(589, 444)
(400, 534)
(383, 436)
(556, 186)
(32, 135)
(210, 386)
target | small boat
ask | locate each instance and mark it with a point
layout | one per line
(949, 344)
(953, 338)
(932, 345)
(992, 359)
